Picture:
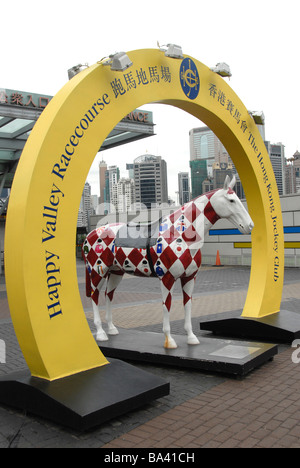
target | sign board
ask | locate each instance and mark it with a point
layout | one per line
(40, 236)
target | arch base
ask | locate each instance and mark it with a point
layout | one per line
(281, 327)
(86, 399)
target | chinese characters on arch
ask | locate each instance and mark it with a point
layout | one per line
(140, 77)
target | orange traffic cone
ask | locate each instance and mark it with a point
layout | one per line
(218, 261)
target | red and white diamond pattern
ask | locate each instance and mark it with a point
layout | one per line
(176, 254)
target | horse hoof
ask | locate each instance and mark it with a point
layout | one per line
(101, 336)
(113, 331)
(193, 340)
(170, 343)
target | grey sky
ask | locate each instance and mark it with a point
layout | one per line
(258, 39)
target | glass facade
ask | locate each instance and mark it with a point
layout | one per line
(198, 176)
(150, 178)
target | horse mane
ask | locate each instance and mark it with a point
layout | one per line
(206, 195)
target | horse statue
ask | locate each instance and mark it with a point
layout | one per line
(168, 249)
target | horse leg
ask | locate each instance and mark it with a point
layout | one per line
(112, 283)
(100, 334)
(187, 285)
(167, 286)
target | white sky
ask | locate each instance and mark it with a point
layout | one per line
(258, 39)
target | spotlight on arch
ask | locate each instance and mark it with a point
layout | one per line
(118, 62)
(222, 69)
(76, 69)
(172, 50)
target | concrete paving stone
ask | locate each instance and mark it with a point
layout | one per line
(202, 410)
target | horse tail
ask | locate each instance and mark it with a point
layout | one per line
(88, 286)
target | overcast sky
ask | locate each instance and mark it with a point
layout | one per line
(258, 39)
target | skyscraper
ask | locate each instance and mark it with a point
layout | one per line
(124, 195)
(102, 170)
(85, 209)
(205, 150)
(296, 165)
(198, 176)
(183, 187)
(112, 176)
(150, 179)
(130, 170)
(208, 153)
(276, 153)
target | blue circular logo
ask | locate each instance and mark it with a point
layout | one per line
(189, 78)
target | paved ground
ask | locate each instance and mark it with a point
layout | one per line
(203, 409)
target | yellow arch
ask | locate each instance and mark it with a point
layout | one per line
(41, 223)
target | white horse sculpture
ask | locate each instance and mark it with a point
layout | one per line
(168, 249)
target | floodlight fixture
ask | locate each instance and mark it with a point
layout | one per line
(118, 61)
(258, 117)
(222, 69)
(172, 50)
(75, 70)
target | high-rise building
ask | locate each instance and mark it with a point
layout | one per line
(85, 208)
(124, 195)
(94, 202)
(112, 176)
(290, 179)
(204, 144)
(205, 150)
(150, 179)
(207, 185)
(296, 158)
(183, 187)
(292, 174)
(221, 171)
(102, 170)
(276, 153)
(198, 176)
(130, 169)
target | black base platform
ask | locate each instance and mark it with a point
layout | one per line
(212, 354)
(83, 400)
(283, 327)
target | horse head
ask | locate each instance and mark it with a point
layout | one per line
(227, 205)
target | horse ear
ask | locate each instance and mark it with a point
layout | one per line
(227, 183)
(233, 182)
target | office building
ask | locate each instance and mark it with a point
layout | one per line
(276, 153)
(183, 187)
(205, 145)
(207, 185)
(198, 176)
(205, 150)
(130, 169)
(150, 179)
(123, 195)
(220, 172)
(102, 171)
(292, 174)
(85, 208)
(112, 177)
